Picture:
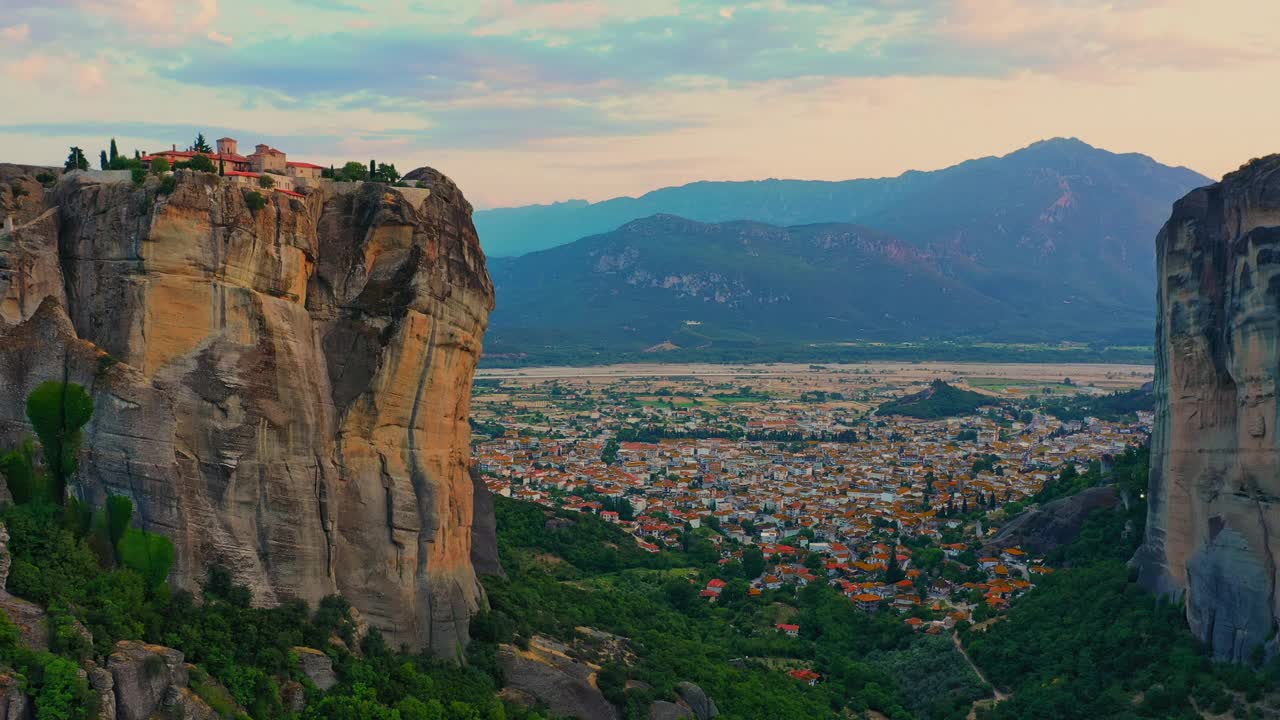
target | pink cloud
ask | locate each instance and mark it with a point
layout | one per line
(15, 33)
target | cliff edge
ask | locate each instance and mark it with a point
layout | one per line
(1213, 529)
(281, 388)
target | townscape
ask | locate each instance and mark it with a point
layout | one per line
(798, 468)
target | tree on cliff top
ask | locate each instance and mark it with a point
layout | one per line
(353, 171)
(200, 144)
(387, 173)
(76, 160)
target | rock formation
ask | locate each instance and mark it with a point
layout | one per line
(1057, 523)
(546, 673)
(1213, 523)
(283, 391)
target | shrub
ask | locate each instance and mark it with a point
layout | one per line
(160, 165)
(168, 184)
(139, 176)
(25, 481)
(148, 554)
(18, 190)
(255, 200)
(46, 178)
(199, 162)
(265, 182)
(58, 411)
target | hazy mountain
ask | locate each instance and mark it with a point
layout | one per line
(669, 279)
(1062, 181)
(1053, 242)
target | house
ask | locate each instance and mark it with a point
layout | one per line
(806, 676)
(789, 630)
(867, 602)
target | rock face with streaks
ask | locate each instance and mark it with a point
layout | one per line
(283, 391)
(1213, 530)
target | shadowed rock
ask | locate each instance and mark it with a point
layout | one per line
(1215, 455)
(1054, 524)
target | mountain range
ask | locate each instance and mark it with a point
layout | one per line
(1052, 242)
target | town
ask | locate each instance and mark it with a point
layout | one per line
(796, 476)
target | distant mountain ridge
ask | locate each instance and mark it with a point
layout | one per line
(882, 203)
(1053, 242)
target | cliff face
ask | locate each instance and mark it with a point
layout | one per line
(1213, 532)
(282, 391)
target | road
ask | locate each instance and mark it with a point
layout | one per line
(999, 696)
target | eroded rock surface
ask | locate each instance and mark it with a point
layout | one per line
(1213, 524)
(1056, 523)
(546, 673)
(282, 391)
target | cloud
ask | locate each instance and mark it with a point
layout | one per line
(90, 78)
(517, 93)
(15, 33)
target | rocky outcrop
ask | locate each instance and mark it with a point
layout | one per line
(15, 704)
(663, 710)
(316, 666)
(1214, 518)
(484, 530)
(1056, 523)
(29, 618)
(695, 698)
(103, 685)
(142, 676)
(143, 682)
(547, 674)
(283, 391)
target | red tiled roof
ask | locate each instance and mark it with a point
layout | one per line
(305, 165)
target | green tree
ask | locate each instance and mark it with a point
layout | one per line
(159, 165)
(115, 152)
(201, 163)
(893, 571)
(63, 694)
(148, 554)
(58, 411)
(387, 173)
(76, 160)
(265, 182)
(103, 163)
(353, 171)
(201, 145)
(373, 170)
(24, 480)
(752, 562)
(609, 455)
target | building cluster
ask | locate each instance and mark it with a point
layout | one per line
(265, 160)
(841, 512)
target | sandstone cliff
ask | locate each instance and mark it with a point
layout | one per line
(283, 391)
(1213, 531)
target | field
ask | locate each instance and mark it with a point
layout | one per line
(989, 377)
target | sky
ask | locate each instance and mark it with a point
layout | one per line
(535, 101)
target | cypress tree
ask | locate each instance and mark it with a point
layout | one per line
(373, 172)
(115, 154)
(102, 159)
